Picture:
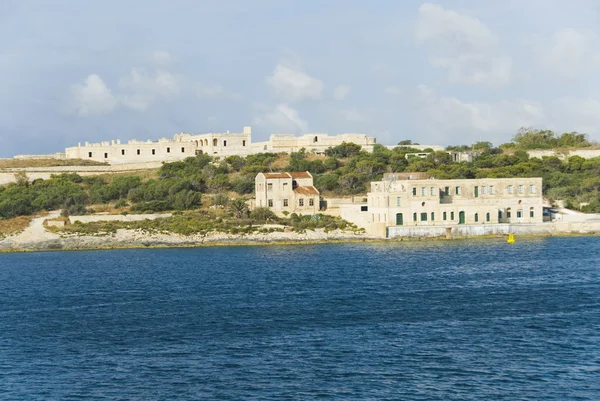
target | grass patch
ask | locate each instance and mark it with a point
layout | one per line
(14, 225)
(17, 163)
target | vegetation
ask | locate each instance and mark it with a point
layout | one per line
(202, 181)
(18, 163)
(204, 221)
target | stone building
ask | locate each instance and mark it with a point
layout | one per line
(214, 144)
(412, 200)
(291, 192)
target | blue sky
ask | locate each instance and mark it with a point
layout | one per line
(443, 72)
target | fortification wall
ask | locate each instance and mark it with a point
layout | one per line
(564, 154)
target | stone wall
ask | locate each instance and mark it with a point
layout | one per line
(463, 231)
(564, 154)
(7, 176)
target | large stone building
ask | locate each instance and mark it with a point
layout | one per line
(402, 199)
(215, 144)
(287, 192)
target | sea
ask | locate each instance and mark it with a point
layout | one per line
(431, 320)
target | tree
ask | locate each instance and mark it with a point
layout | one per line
(239, 208)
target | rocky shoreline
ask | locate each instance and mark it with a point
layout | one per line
(37, 238)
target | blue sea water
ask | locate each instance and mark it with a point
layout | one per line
(452, 320)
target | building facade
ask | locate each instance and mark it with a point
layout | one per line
(214, 144)
(398, 200)
(287, 192)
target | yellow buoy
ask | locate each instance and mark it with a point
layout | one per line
(511, 238)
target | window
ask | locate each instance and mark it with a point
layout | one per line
(445, 216)
(476, 217)
(508, 213)
(168, 150)
(423, 216)
(89, 154)
(491, 190)
(315, 139)
(270, 186)
(106, 155)
(452, 216)
(414, 217)
(285, 203)
(243, 143)
(414, 190)
(311, 202)
(301, 202)
(510, 189)
(531, 212)
(447, 191)
(224, 143)
(476, 191)
(532, 189)
(519, 214)
(182, 150)
(215, 142)
(422, 191)
(153, 151)
(138, 152)
(270, 202)
(499, 215)
(520, 189)
(457, 190)
(432, 216)
(122, 152)
(487, 217)
(398, 201)
(364, 208)
(483, 190)
(432, 191)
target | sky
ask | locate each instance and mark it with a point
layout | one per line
(445, 72)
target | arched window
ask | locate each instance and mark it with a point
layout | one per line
(215, 142)
(206, 142)
(316, 139)
(476, 217)
(487, 217)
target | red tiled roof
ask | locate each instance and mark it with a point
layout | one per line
(301, 174)
(306, 190)
(277, 175)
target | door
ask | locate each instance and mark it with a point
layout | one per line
(399, 219)
(461, 218)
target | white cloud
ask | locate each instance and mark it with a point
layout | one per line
(292, 84)
(138, 90)
(577, 114)
(282, 118)
(451, 120)
(144, 88)
(464, 46)
(572, 53)
(93, 98)
(393, 90)
(162, 59)
(340, 92)
(215, 91)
